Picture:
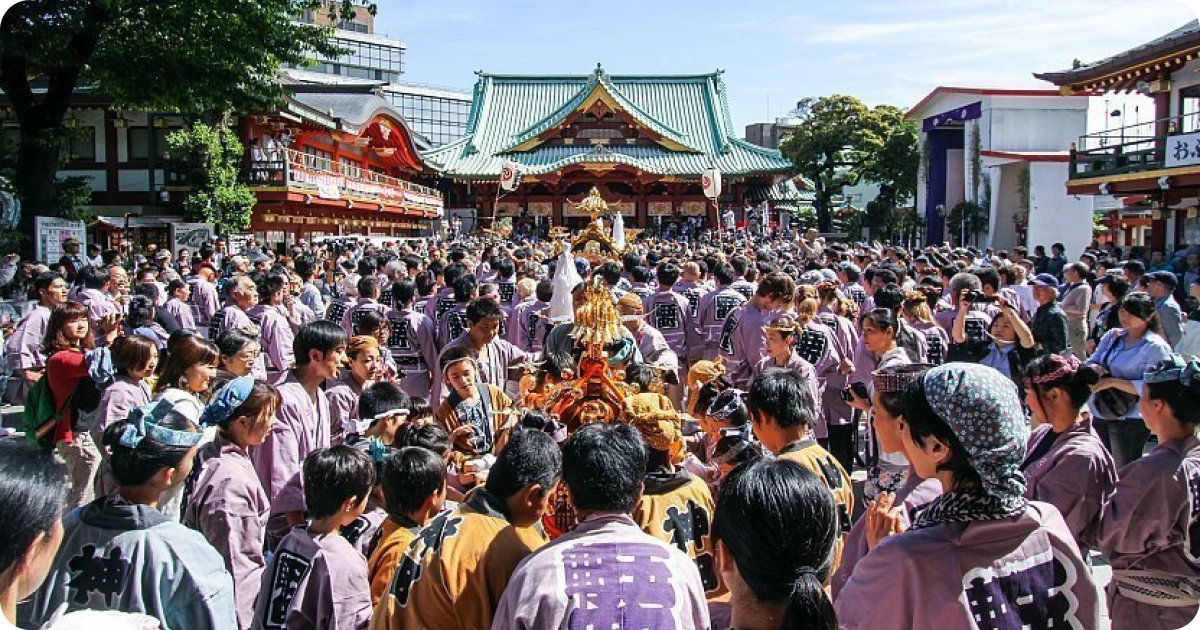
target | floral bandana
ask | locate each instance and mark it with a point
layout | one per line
(980, 405)
(227, 400)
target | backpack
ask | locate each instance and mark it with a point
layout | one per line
(41, 414)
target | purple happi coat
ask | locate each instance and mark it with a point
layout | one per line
(414, 350)
(714, 308)
(301, 427)
(912, 494)
(606, 573)
(1075, 476)
(1151, 523)
(229, 506)
(1013, 573)
(314, 583)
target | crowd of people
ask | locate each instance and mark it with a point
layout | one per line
(342, 435)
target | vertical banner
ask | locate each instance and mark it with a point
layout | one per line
(51, 232)
(191, 236)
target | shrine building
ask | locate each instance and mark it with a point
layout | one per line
(642, 141)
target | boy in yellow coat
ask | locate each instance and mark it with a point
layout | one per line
(454, 572)
(782, 410)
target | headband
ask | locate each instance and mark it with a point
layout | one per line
(1174, 368)
(231, 396)
(144, 422)
(738, 447)
(1067, 365)
(460, 360)
(727, 410)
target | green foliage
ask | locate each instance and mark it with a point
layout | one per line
(68, 195)
(212, 157)
(197, 56)
(840, 141)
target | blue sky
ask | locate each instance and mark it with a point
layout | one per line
(775, 52)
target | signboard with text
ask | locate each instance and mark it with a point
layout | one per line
(51, 232)
(1183, 150)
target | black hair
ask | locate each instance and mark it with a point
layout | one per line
(667, 274)
(92, 277)
(739, 417)
(640, 274)
(603, 465)
(465, 288)
(409, 476)
(380, 398)
(141, 312)
(483, 308)
(33, 489)
(890, 297)
(232, 341)
(453, 272)
(529, 457)
(1183, 400)
(304, 268)
(432, 437)
(137, 465)
(425, 283)
(403, 292)
(271, 284)
(750, 449)
(611, 273)
(923, 422)
(544, 292)
(1135, 266)
(322, 335)
(724, 273)
(779, 522)
(1077, 384)
(334, 475)
(369, 322)
(639, 374)
(777, 285)
(708, 392)
(42, 281)
(783, 395)
(852, 274)
(504, 267)
(1142, 306)
(886, 275)
(740, 264)
(989, 277)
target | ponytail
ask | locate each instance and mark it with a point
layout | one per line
(778, 520)
(808, 606)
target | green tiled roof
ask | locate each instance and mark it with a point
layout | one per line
(690, 110)
(781, 193)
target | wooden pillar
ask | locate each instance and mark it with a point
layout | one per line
(1162, 126)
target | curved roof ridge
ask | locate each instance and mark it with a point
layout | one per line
(599, 80)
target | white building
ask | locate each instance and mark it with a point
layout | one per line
(1007, 151)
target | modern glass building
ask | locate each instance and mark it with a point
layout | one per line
(438, 114)
(371, 57)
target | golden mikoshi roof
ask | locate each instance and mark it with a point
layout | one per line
(594, 242)
(596, 320)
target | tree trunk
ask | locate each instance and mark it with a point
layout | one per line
(36, 172)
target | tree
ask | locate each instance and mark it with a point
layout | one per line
(893, 166)
(199, 56)
(965, 220)
(837, 136)
(212, 156)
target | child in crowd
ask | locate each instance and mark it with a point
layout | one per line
(414, 491)
(316, 579)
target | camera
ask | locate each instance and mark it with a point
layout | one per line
(859, 389)
(979, 297)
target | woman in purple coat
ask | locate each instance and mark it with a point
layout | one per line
(980, 551)
(227, 503)
(1067, 465)
(1150, 525)
(912, 491)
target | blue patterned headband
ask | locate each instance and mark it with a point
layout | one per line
(144, 422)
(1173, 368)
(227, 401)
